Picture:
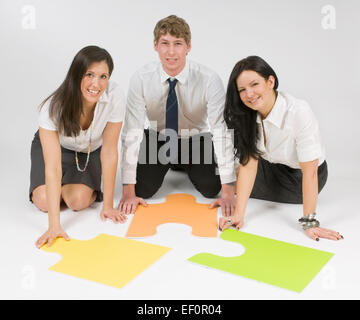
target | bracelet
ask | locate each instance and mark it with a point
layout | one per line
(309, 221)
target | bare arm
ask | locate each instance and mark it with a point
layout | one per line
(310, 195)
(109, 161)
(244, 185)
(53, 172)
(309, 186)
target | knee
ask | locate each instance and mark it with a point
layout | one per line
(208, 190)
(209, 193)
(77, 201)
(146, 192)
(39, 199)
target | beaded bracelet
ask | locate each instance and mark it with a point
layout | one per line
(309, 221)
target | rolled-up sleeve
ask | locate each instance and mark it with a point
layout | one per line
(307, 135)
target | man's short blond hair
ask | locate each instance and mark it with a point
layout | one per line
(175, 26)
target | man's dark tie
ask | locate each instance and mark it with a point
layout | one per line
(172, 107)
(172, 119)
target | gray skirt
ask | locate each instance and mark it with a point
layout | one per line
(279, 183)
(70, 175)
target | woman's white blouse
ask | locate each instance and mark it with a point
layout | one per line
(110, 108)
(292, 133)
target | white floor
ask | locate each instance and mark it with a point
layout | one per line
(24, 270)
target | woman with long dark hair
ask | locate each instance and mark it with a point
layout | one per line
(278, 144)
(77, 142)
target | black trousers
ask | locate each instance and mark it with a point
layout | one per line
(195, 155)
(280, 183)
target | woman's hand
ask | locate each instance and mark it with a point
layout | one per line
(50, 235)
(235, 220)
(317, 233)
(112, 214)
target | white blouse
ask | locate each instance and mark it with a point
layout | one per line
(110, 108)
(291, 133)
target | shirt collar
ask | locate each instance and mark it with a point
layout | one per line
(181, 77)
(277, 113)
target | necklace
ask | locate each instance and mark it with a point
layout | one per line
(88, 154)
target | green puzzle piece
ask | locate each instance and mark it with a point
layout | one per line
(271, 261)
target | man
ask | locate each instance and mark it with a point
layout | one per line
(184, 102)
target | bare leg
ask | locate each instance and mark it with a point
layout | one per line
(39, 198)
(78, 196)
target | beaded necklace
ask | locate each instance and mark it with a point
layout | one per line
(88, 153)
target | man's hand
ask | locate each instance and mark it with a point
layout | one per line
(227, 201)
(128, 204)
(129, 200)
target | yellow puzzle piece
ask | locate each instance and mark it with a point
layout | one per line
(106, 259)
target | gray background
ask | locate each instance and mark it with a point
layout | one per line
(312, 63)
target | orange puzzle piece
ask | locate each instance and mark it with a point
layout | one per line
(178, 208)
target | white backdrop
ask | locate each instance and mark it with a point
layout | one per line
(312, 45)
(313, 50)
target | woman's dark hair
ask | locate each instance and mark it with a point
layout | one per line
(66, 104)
(238, 116)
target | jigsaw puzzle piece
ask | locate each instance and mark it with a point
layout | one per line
(106, 259)
(178, 208)
(267, 260)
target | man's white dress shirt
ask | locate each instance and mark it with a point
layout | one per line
(201, 98)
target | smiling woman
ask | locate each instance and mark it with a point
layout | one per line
(278, 143)
(77, 140)
(94, 83)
